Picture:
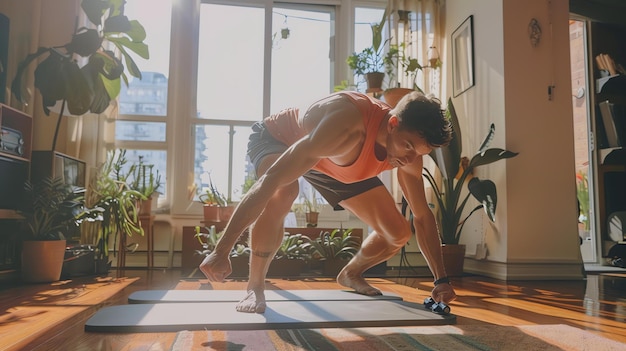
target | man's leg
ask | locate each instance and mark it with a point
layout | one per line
(266, 235)
(391, 232)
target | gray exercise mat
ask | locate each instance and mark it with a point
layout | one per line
(171, 296)
(172, 317)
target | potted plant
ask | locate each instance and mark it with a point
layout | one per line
(53, 210)
(216, 205)
(291, 257)
(311, 209)
(370, 62)
(451, 199)
(90, 88)
(109, 192)
(395, 59)
(334, 249)
(145, 179)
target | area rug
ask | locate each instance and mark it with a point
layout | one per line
(447, 338)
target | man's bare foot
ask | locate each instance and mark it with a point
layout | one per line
(254, 302)
(356, 282)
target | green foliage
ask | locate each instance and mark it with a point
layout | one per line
(582, 194)
(395, 58)
(144, 178)
(93, 86)
(211, 237)
(370, 59)
(110, 193)
(336, 244)
(53, 209)
(89, 88)
(212, 196)
(294, 246)
(449, 193)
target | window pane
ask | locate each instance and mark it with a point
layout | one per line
(148, 96)
(139, 131)
(230, 62)
(212, 159)
(307, 44)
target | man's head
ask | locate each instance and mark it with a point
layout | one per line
(419, 113)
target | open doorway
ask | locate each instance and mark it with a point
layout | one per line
(582, 147)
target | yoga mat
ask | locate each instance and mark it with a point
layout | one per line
(170, 296)
(173, 317)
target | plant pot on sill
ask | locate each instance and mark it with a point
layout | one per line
(311, 219)
(42, 261)
(146, 206)
(453, 259)
(374, 82)
(213, 213)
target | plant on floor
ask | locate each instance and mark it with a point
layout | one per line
(339, 243)
(53, 209)
(89, 88)
(294, 246)
(109, 192)
(451, 199)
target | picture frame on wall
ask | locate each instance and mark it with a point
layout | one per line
(463, 57)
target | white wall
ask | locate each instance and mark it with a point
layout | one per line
(535, 233)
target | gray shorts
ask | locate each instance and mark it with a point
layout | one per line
(262, 144)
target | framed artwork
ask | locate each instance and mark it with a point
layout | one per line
(463, 57)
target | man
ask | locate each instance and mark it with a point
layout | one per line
(340, 145)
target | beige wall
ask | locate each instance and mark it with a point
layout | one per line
(535, 235)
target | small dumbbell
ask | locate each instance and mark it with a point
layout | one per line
(436, 307)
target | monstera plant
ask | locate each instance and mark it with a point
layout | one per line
(455, 173)
(90, 87)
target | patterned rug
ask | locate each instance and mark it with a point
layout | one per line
(449, 338)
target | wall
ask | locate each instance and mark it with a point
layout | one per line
(535, 234)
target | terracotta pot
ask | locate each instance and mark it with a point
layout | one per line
(374, 82)
(42, 261)
(453, 259)
(214, 213)
(311, 219)
(393, 95)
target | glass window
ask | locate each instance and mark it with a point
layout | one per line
(141, 125)
(230, 62)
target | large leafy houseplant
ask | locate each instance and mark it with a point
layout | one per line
(53, 209)
(451, 199)
(110, 193)
(90, 87)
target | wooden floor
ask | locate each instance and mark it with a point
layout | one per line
(52, 316)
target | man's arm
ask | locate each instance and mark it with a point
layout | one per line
(412, 185)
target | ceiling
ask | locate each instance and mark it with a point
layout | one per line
(609, 11)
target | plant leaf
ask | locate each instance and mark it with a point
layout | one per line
(488, 139)
(17, 87)
(85, 43)
(448, 157)
(485, 192)
(94, 9)
(489, 156)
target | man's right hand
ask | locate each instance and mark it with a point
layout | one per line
(216, 267)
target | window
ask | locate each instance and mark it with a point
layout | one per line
(230, 82)
(218, 66)
(141, 127)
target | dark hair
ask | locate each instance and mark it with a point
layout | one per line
(417, 112)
